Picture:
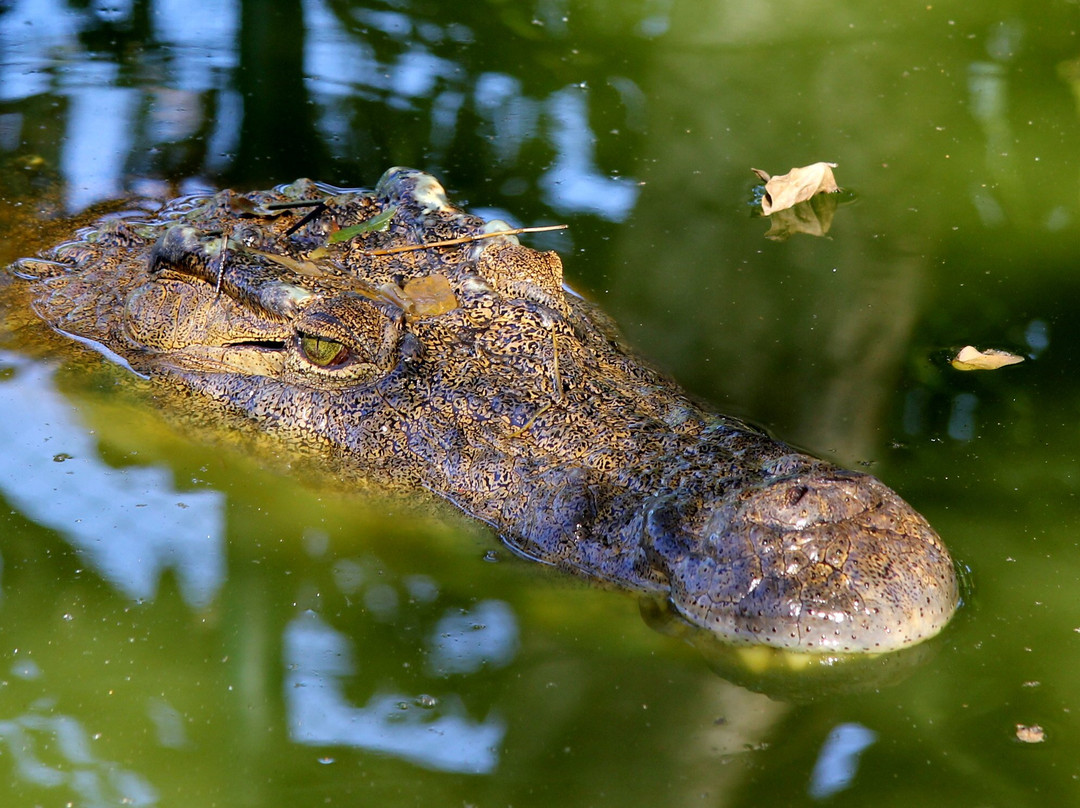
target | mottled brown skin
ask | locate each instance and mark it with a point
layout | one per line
(470, 371)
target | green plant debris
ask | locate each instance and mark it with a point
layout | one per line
(376, 224)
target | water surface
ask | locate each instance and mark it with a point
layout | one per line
(183, 625)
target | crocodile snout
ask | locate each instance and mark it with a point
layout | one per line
(826, 562)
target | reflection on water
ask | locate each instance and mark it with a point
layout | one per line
(106, 121)
(431, 732)
(838, 760)
(130, 524)
(187, 118)
(463, 642)
(572, 184)
(52, 750)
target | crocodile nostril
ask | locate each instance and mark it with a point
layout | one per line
(808, 501)
(794, 494)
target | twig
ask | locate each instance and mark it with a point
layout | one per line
(464, 239)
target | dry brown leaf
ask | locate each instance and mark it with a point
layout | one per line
(971, 358)
(796, 186)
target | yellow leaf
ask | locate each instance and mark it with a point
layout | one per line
(796, 186)
(971, 358)
(429, 296)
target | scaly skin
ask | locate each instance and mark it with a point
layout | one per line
(468, 370)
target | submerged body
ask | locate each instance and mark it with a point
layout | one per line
(468, 370)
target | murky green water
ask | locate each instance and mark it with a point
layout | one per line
(179, 627)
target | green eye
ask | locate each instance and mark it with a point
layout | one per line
(323, 352)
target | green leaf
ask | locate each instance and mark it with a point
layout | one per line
(376, 224)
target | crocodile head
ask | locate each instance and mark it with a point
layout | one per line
(432, 350)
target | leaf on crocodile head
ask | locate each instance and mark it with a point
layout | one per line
(971, 358)
(240, 205)
(429, 296)
(300, 267)
(798, 185)
(376, 224)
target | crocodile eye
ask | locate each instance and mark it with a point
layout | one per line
(323, 352)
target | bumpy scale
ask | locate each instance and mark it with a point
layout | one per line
(470, 371)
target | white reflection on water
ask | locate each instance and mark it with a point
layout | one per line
(98, 139)
(53, 750)
(337, 63)
(573, 183)
(839, 759)
(318, 659)
(31, 34)
(206, 40)
(130, 524)
(512, 116)
(466, 641)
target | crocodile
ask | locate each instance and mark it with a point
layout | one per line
(434, 351)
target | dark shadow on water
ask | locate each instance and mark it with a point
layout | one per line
(277, 133)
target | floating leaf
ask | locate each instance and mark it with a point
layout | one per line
(796, 186)
(376, 224)
(971, 358)
(1032, 734)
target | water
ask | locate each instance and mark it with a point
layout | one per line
(181, 626)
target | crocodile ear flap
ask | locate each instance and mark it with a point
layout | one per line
(388, 347)
(519, 272)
